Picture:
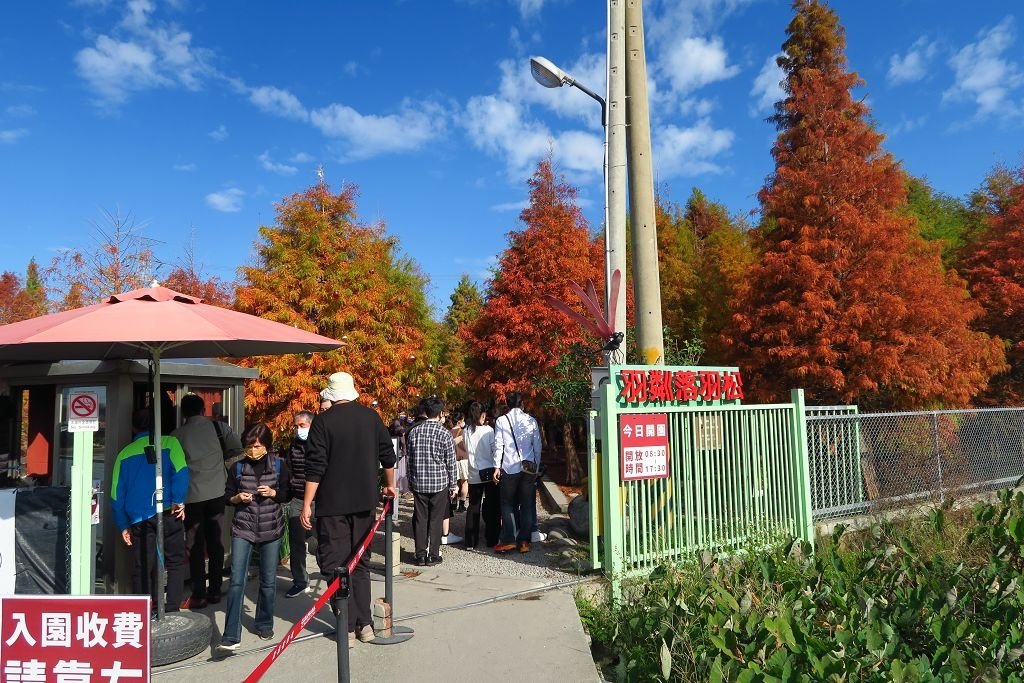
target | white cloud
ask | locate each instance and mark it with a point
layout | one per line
(496, 126)
(670, 20)
(369, 135)
(269, 165)
(692, 63)
(220, 133)
(227, 201)
(528, 8)
(510, 206)
(767, 88)
(140, 55)
(351, 68)
(115, 68)
(913, 66)
(10, 136)
(301, 158)
(698, 106)
(905, 125)
(278, 102)
(984, 76)
(20, 110)
(185, 168)
(690, 151)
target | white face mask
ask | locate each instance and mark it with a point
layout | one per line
(302, 432)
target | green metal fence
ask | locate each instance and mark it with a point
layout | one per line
(738, 476)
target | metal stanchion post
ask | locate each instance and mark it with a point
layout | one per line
(399, 634)
(341, 600)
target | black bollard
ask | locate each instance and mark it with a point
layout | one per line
(341, 629)
(399, 634)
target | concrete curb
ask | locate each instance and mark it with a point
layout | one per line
(552, 498)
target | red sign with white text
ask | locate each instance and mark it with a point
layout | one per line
(643, 447)
(74, 639)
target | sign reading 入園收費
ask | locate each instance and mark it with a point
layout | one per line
(668, 386)
(93, 638)
(643, 446)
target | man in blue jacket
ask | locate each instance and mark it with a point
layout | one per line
(133, 485)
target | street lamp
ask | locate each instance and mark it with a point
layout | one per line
(549, 75)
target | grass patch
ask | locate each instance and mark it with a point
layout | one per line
(939, 598)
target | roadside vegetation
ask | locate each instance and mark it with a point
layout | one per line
(936, 598)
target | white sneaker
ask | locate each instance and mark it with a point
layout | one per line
(451, 539)
(538, 536)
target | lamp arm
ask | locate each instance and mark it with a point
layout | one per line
(604, 105)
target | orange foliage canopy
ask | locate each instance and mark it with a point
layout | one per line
(22, 302)
(321, 270)
(848, 301)
(994, 267)
(212, 290)
(518, 339)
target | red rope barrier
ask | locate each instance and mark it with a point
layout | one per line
(332, 588)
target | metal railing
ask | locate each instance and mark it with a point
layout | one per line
(739, 477)
(860, 462)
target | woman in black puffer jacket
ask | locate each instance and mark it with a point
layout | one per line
(257, 485)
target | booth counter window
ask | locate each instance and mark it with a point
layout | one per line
(66, 440)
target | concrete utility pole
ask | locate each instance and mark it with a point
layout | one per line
(646, 281)
(615, 237)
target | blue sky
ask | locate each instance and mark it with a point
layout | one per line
(200, 115)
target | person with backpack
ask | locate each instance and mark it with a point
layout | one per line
(258, 486)
(208, 444)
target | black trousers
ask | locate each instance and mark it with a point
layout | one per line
(485, 498)
(428, 514)
(337, 537)
(297, 536)
(147, 564)
(203, 524)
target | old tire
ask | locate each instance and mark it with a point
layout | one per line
(178, 636)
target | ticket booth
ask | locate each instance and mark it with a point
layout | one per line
(36, 446)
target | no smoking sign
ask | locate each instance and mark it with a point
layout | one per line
(83, 411)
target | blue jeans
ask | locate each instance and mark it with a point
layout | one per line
(518, 509)
(241, 551)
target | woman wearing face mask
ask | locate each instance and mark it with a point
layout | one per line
(257, 486)
(297, 535)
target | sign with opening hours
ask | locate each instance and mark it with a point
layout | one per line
(643, 447)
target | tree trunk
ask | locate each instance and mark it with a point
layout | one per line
(573, 469)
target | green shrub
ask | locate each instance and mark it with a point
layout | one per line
(936, 599)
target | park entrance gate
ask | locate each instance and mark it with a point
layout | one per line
(683, 467)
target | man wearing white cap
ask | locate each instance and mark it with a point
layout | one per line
(346, 444)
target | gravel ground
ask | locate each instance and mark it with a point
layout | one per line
(559, 558)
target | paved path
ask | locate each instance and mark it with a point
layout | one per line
(535, 637)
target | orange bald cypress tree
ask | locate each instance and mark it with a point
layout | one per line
(322, 270)
(517, 340)
(848, 301)
(994, 267)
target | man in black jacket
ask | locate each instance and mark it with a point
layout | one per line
(346, 444)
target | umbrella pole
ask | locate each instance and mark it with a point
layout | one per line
(159, 492)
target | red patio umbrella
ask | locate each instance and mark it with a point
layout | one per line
(153, 323)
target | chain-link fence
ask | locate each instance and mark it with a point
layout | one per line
(862, 462)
